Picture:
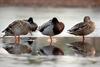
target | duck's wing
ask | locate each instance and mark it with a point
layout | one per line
(10, 26)
(78, 27)
(44, 26)
(15, 24)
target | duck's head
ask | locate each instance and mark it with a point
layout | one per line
(86, 19)
(55, 20)
(30, 20)
(33, 26)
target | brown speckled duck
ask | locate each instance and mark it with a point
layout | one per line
(83, 28)
(51, 28)
(20, 27)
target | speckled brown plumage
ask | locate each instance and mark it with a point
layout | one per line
(83, 28)
(20, 27)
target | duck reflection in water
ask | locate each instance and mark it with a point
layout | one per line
(30, 40)
(51, 50)
(32, 43)
(26, 47)
(17, 49)
(83, 50)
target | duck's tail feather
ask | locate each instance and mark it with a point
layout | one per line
(70, 31)
(8, 32)
(3, 31)
(7, 29)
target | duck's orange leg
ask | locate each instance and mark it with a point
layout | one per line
(18, 39)
(15, 39)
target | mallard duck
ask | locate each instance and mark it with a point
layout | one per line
(20, 27)
(51, 28)
(83, 28)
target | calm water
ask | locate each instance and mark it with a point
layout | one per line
(76, 54)
(72, 57)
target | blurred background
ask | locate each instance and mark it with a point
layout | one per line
(53, 3)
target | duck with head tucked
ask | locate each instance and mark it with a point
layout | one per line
(20, 27)
(51, 28)
(83, 28)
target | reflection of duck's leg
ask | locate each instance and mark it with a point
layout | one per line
(83, 39)
(51, 40)
(15, 39)
(18, 39)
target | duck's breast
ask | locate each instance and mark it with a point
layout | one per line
(58, 28)
(90, 28)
